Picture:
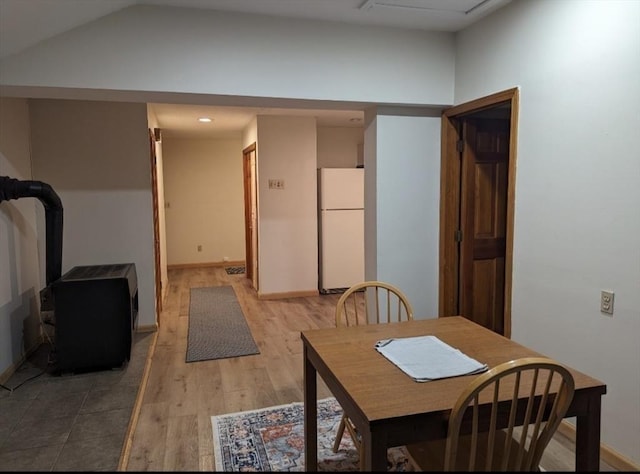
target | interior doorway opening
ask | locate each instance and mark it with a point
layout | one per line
(477, 210)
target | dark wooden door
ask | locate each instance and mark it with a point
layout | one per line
(483, 211)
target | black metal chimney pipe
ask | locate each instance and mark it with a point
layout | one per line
(15, 189)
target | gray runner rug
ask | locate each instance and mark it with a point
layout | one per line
(217, 326)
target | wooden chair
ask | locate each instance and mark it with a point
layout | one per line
(369, 302)
(473, 441)
(372, 302)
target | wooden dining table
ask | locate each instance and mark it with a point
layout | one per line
(390, 409)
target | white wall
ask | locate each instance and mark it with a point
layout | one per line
(287, 218)
(575, 62)
(95, 155)
(145, 48)
(21, 277)
(204, 200)
(402, 189)
(338, 146)
(577, 214)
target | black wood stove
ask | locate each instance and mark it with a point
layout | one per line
(94, 307)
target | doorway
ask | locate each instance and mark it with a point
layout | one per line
(250, 214)
(477, 193)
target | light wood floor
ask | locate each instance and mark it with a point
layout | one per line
(172, 429)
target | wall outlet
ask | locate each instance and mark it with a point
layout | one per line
(225, 259)
(606, 302)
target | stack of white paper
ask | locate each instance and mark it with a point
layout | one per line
(427, 358)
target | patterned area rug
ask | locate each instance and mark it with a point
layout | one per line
(217, 326)
(272, 439)
(234, 270)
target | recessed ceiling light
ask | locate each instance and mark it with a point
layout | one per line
(204, 119)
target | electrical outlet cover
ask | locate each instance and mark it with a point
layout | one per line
(606, 302)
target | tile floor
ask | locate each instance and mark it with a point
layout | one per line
(72, 422)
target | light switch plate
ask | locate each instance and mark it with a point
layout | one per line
(276, 184)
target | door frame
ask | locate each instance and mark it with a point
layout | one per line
(153, 136)
(450, 170)
(250, 213)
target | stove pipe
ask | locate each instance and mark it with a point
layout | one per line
(15, 189)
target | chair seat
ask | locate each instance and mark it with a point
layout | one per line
(430, 455)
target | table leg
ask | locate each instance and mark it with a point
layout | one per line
(374, 446)
(588, 437)
(310, 415)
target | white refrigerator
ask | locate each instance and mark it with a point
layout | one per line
(340, 228)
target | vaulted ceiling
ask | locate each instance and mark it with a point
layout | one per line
(24, 23)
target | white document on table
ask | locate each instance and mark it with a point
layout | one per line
(426, 358)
